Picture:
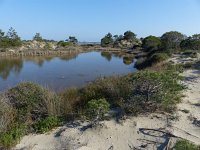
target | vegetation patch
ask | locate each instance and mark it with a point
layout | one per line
(186, 145)
(47, 124)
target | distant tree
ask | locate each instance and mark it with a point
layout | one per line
(151, 43)
(130, 36)
(12, 39)
(107, 40)
(191, 43)
(72, 39)
(1, 34)
(115, 37)
(38, 37)
(172, 40)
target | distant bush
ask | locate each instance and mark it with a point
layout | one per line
(186, 145)
(158, 57)
(64, 44)
(151, 60)
(192, 43)
(151, 43)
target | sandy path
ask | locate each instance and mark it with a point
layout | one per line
(190, 103)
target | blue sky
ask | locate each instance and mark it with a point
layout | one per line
(89, 20)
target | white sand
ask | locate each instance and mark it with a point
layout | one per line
(126, 135)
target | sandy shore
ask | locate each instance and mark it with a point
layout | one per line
(150, 132)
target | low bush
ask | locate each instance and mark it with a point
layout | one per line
(32, 102)
(186, 145)
(153, 91)
(45, 125)
(113, 89)
(96, 109)
(151, 60)
(11, 137)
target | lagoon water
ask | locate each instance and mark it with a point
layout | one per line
(58, 73)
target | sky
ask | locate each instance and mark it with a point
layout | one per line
(90, 20)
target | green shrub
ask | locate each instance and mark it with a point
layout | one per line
(186, 145)
(11, 137)
(153, 91)
(96, 109)
(32, 102)
(64, 44)
(158, 57)
(45, 125)
(153, 59)
(113, 89)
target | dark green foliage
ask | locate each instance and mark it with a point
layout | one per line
(38, 37)
(107, 40)
(158, 57)
(129, 36)
(96, 109)
(64, 44)
(186, 145)
(191, 43)
(11, 39)
(151, 60)
(72, 39)
(172, 40)
(151, 43)
(153, 91)
(45, 125)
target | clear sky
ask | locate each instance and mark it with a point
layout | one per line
(89, 20)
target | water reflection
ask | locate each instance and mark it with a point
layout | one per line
(61, 72)
(8, 65)
(12, 64)
(106, 55)
(128, 60)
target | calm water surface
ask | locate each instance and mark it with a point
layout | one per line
(61, 72)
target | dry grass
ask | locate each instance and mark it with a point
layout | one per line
(7, 113)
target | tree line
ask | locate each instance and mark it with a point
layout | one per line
(12, 39)
(168, 41)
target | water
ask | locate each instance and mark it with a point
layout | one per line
(58, 73)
